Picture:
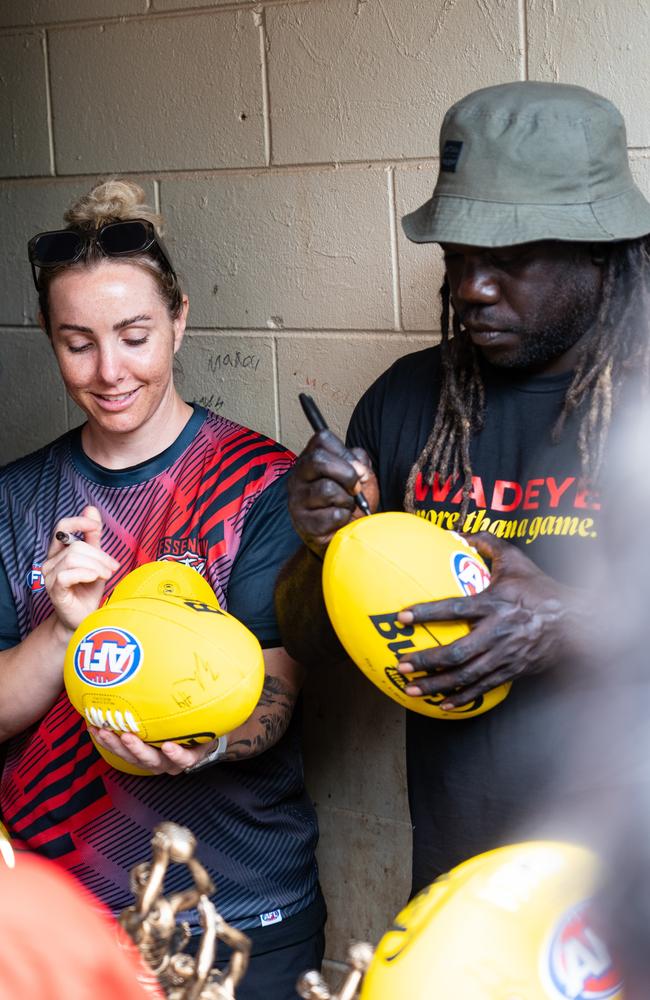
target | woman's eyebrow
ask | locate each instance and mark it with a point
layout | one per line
(74, 327)
(140, 318)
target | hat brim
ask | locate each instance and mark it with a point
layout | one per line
(450, 219)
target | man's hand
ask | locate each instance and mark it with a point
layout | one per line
(322, 486)
(519, 625)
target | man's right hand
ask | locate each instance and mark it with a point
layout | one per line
(322, 486)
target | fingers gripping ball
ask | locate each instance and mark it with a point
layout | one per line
(374, 568)
(516, 922)
(162, 660)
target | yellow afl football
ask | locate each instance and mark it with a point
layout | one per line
(163, 579)
(517, 922)
(375, 567)
(161, 659)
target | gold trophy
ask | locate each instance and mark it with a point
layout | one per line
(312, 986)
(152, 923)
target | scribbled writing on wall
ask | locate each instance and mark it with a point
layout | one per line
(233, 359)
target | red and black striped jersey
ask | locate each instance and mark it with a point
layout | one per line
(215, 500)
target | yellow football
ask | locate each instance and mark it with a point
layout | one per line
(162, 660)
(375, 567)
(515, 923)
(164, 578)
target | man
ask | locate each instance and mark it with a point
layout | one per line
(500, 431)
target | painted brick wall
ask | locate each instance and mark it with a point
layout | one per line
(282, 141)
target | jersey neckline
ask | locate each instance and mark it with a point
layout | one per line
(527, 383)
(143, 471)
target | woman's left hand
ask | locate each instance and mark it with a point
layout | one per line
(266, 725)
(171, 758)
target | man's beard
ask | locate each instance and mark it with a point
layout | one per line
(542, 341)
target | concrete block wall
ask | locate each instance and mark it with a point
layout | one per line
(282, 142)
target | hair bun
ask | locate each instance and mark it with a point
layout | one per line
(111, 201)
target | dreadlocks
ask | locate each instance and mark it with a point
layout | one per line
(619, 342)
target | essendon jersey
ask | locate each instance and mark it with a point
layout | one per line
(215, 500)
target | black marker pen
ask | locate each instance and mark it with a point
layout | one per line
(317, 421)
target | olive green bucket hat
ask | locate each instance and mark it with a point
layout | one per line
(531, 161)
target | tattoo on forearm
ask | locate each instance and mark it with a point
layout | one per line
(270, 718)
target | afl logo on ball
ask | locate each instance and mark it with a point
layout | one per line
(471, 575)
(579, 964)
(107, 656)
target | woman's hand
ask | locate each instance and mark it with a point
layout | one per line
(75, 574)
(171, 758)
(266, 725)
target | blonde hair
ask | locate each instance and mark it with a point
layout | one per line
(114, 200)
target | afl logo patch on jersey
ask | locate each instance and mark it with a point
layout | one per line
(35, 579)
(578, 963)
(471, 575)
(106, 657)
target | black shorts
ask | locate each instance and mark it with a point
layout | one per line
(273, 975)
(280, 954)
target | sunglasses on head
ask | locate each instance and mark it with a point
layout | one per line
(115, 239)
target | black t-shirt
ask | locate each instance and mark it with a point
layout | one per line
(475, 784)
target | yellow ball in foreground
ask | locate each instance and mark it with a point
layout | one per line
(516, 923)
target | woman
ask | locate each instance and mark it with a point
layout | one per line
(148, 477)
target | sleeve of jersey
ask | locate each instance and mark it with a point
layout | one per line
(268, 541)
(9, 631)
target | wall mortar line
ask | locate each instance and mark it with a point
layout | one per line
(266, 93)
(386, 334)
(48, 105)
(394, 251)
(276, 386)
(199, 173)
(523, 39)
(147, 15)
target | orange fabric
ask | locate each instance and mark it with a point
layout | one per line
(58, 943)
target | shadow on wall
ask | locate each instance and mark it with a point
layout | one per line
(354, 762)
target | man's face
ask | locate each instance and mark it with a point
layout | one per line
(527, 306)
